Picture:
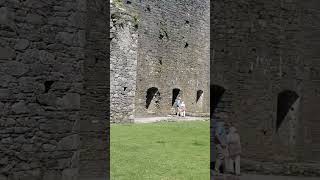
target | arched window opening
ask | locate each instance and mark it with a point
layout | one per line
(152, 93)
(175, 94)
(286, 99)
(216, 93)
(199, 95)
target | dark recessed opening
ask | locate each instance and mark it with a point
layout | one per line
(250, 71)
(148, 8)
(161, 36)
(187, 22)
(186, 45)
(151, 93)
(48, 85)
(160, 61)
(166, 34)
(175, 94)
(128, 2)
(216, 93)
(254, 49)
(264, 132)
(199, 94)
(285, 101)
(125, 88)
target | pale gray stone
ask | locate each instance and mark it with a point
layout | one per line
(69, 143)
(4, 161)
(27, 147)
(7, 140)
(66, 38)
(20, 108)
(6, 53)
(22, 44)
(10, 122)
(3, 177)
(34, 19)
(16, 68)
(70, 174)
(52, 175)
(46, 57)
(20, 139)
(47, 99)
(70, 101)
(48, 147)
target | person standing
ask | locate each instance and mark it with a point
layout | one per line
(182, 109)
(221, 150)
(234, 147)
(177, 104)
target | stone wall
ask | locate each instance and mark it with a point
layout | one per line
(123, 63)
(173, 53)
(44, 84)
(95, 101)
(264, 55)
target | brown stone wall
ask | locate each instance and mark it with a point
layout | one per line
(263, 48)
(53, 71)
(40, 57)
(173, 52)
(123, 63)
(95, 101)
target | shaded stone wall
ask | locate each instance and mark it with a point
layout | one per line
(95, 101)
(123, 61)
(173, 52)
(262, 49)
(44, 75)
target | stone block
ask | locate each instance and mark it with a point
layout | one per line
(70, 174)
(20, 108)
(21, 44)
(69, 143)
(52, 175)
(16, 68)
(70, 101)
(48, 99)
(66, 38)
(6, 53)
(3, 177)
(34, 19)
(5, 94)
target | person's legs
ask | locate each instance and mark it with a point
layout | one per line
(237, 164)
(217, 165)
(230, 165)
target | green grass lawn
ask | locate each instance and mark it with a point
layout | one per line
(161, 151)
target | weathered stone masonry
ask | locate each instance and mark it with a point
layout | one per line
(265, 79)
(123, 59)
(53, 89)
(172, 58)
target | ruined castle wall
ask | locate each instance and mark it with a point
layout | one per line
(310, 115)
(173, 53)
(42, 59)
(258, 53)
(41, 43)
(123, 62)
(95, 103)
